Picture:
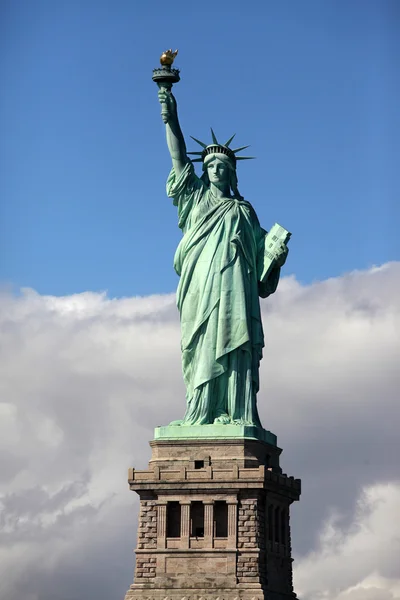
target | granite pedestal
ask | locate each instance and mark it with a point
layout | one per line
(214, 520)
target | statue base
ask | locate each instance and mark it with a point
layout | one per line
(214, 519)
(215, 432)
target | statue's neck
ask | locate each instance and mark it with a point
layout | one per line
(220, 192)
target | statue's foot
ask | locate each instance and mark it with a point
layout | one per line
(244, 422)
(176, 422)
(222, 420)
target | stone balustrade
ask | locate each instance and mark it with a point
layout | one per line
(260, 473)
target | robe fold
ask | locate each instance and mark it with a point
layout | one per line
(219, 260)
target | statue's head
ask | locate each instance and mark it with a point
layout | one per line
(220, 170)
(219, 162)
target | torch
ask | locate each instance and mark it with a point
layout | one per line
(165, 77)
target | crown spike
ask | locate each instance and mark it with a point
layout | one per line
(199, 142)
(229, 141)
(241, 148)
(214, 139)
(195, 153)
(245, 157)
(197, 160)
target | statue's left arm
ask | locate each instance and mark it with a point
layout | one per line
(269, 285)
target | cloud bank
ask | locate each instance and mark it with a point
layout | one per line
(85, 379)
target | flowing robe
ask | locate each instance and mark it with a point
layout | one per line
(218, 261)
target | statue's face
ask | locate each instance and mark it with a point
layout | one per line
(218, 171)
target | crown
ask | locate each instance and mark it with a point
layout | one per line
(217, 148)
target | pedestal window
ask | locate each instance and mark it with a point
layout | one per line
(220, 519)
(283, 527)
(270, 523)
(173, 520)
(197, 519)
(276, 524)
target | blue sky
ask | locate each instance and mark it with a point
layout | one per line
(313, 86)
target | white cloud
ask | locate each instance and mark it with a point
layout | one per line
(360, 561)
(84, 380)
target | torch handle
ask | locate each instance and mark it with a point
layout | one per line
(165, 87)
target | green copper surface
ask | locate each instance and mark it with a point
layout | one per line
(209, 432)
(222, 261)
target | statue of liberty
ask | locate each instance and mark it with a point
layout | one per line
(220, 263)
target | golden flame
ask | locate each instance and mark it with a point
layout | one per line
(168, 57)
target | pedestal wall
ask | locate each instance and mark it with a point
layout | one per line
(213, 522)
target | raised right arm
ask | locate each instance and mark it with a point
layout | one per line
(175, 139)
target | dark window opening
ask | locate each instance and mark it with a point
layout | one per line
(270, 509)
(173, 520)
(199, 464)
(268, 460)
(221, 519)
(283, 526)
(277, 523)
(197, 519)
